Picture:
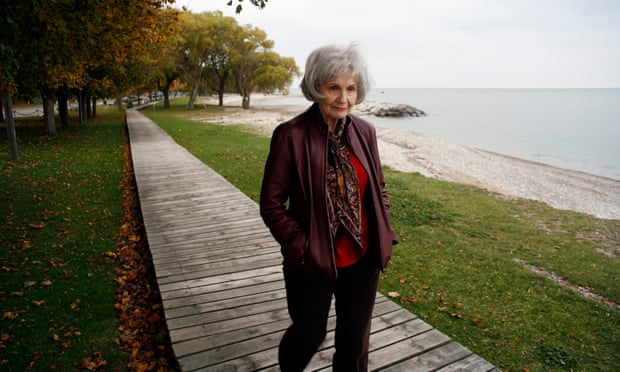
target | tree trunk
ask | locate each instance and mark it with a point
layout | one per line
(94, 109)
(49, 121)
(192, 97)
(1, 110)
(245, 102)
(10, 127)
(165, 88)
(87, 107)
(166, 92)
(222, 87)
(63, 108)
(80, 108)
(119, 103)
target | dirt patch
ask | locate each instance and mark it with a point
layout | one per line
(584, 291)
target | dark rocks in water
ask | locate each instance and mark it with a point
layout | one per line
(388, 110)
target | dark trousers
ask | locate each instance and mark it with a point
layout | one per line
(309, 299)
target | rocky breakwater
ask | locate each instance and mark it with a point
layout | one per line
(388, 109)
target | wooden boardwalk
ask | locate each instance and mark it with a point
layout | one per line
(219, 273)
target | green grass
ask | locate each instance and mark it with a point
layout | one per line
(456, 264)
(61, 213)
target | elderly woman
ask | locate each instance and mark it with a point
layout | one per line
(324, 201)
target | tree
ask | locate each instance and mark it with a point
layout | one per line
(225, 34)
(9, 64)
(72, 46)
(276, 74)
(166, 56)
(249, 56)
(257, 66)
(196, 44)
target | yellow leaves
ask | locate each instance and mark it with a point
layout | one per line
(29, 283)
(25, 244)
(134, 238)
(475, 319)
(43, 284)
(138, 304)
(93, 363)
(9, 315)
(54, 262)
(4, 338)
(75, 305)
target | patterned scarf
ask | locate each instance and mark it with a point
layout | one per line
(343, 191)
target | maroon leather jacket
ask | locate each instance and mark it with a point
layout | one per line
(296, 171)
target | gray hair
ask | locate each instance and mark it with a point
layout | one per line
(328, 61)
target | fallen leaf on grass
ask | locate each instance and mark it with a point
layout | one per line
(37, 225)
(25, 244)
(37, 356)
(393, 294)
(45, 284)
(29, 284)
(93, 363)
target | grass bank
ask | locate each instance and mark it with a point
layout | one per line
(465, 259)
(61, 213)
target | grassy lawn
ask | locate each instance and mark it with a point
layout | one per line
(460, 261)
(61, 214)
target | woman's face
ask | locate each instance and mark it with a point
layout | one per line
(340, 96)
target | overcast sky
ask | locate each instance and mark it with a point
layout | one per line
(452, 43)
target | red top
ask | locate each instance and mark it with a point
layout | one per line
(346, 254)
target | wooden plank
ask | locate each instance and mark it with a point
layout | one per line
(220, 277)
(184, 306)
(221, 282)
(234, 299)
(444, 355)
(472, 363)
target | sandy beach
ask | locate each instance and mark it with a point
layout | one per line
(410, 152)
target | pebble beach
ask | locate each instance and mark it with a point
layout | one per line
(407, 151)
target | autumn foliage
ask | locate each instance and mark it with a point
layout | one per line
(142, 323)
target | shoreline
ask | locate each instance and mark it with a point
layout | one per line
(408, 151)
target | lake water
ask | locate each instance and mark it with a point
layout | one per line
(576, 129)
